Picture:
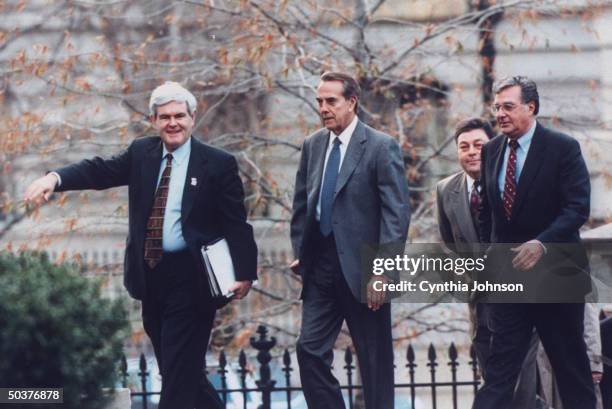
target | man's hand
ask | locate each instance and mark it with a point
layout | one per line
(41, 189)
(596, 377)
(295, 266)
(240, 289)
(528, 254)
(376, 298)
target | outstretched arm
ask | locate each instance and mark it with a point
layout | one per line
(96, 173)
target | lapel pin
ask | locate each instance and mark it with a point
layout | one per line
(194, 181)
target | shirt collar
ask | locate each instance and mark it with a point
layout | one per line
(345, 136)
(470, 182)
(525, 139)
(180, 154)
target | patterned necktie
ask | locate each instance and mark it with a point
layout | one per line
(329, 186)
(510, 181)
(155, 223)
(475, 201)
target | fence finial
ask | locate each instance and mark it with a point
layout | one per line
(263, 344)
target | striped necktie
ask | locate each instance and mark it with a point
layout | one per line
(155, 223)
(510, 181)
(475, 201)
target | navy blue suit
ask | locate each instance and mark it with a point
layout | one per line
(178, 312)
(217, 197)
(551, 204)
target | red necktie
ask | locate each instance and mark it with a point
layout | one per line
(510, 182)
(475, 201)
(155, 223)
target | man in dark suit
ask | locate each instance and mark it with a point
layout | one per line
(458, 196)
(458, 204)
(350, 191)
(182, 194)
(536, 194)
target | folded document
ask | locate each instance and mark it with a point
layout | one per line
(219, 268)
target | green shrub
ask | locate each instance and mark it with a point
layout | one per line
(57, 331)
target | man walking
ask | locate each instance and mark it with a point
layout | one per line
(182, 194)
(458, 204)
(536, 194)
(350, 191)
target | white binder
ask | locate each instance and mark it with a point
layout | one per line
(219, 268)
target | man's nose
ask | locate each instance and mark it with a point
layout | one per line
(172, 121)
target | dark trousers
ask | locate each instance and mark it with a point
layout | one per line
(525, 390)
(178, 320)
(328, 301)
(560, 328)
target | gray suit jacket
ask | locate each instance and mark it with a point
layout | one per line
(370, 202)
(454, 218)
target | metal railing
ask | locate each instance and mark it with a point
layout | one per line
(266, 386)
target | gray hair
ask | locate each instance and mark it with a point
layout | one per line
(350, 86)
(171, 91)
(529, 89)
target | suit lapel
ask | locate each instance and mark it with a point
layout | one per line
(533, 161)
(498, 157)
(194, 178)
(354, 152)
(150, 172)
(462, 210)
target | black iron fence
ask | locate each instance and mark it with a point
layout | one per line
(265, 385)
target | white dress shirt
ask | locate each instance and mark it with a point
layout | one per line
(345, 138)
(470, 185)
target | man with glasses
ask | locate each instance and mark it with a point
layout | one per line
(535, 194)
(458, 202)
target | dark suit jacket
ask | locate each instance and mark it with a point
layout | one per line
(552, 200)
(370, 203)
(211, 209)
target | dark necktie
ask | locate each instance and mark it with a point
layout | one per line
(475, 201)
(155, 223)
(510, 181)
(329, 186)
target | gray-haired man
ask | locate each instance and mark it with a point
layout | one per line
(536, 193)
(350, 191)
(182, 194)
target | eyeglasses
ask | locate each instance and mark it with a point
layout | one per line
(507, 108)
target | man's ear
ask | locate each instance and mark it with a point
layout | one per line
(353, 102)
(531, 105)
(153, 119)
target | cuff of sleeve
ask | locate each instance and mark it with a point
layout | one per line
(59, 179)
(543, 246)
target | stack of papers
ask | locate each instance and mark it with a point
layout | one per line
(219, 268)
